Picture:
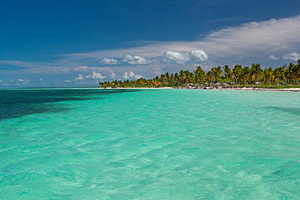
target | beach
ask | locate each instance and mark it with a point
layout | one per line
(245, 88)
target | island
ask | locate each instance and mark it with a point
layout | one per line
(284, 77)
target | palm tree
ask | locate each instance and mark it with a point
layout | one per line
(297, 71)
(268, 74)
(279, 74)
(246, 74)
(217, 73)
(237, 72)
(209, 76)
(256, 73)
(228, 73)
(290, 72)
(199, 75)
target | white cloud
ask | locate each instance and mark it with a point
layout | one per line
(255, 38)
(22, 63)
(136, 60)
(84, 68)
(272, 57)
(199, 55)
(68, 81)
(138, 76)
(25, 81)
(131, 75)
(291, 56)
(184, 57)
(177, 57)
(126, 76)
(41, 79)
(79, 77)
(95, 75)
(1, 81)
(113, 75)
(110, 61)
(96, 69)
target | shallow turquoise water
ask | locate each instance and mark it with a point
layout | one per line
(149, 144)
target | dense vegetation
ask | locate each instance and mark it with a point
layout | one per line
(237, 76)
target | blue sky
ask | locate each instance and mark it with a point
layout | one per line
(77, 43)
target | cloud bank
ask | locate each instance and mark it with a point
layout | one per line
(79, 77)
(95, 75)
(131, 76)
(291, 56)
(136, 60)
(109, 61)
(272, 57)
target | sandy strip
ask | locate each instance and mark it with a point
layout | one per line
(138, 88)
(249, 89)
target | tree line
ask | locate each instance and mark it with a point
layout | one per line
(238, 75)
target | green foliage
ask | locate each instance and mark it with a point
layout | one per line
(283, 76)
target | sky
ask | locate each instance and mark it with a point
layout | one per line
(62, 43)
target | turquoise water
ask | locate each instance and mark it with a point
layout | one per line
(149, 144)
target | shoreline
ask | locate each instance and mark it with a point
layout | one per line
(245, 89)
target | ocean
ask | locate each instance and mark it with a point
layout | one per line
(81, 143)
